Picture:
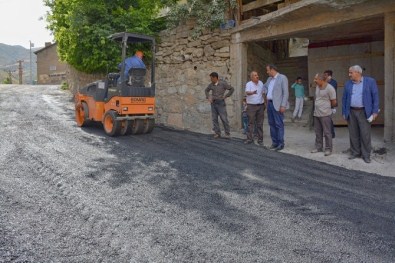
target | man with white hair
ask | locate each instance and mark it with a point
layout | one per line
(255, 107)
(360, 106)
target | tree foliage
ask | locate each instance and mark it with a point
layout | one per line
(81, 28)
(207, 13)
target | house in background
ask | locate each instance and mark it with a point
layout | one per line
(50, 70)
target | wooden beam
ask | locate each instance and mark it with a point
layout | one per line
(265, 29)
(239, 13)
(257, 4)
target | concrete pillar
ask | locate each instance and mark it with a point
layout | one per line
(389, 77)
(238, 59)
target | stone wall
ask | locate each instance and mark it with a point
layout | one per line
(76, 79)
(183, 65)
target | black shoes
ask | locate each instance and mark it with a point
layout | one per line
(365, 159)
(273, 147)
(279, 148)
(247, 142)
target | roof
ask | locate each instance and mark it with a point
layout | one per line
(44, 48)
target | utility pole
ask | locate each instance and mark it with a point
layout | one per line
(20, 71)
(31, 74)
(10, 75)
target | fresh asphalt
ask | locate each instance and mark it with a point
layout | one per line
(70, 194)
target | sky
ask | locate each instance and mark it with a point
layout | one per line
(20, 23)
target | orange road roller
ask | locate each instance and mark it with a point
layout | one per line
(122, 102)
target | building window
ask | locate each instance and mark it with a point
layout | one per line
(52, 68)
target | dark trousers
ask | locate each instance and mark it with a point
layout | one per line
(256, 114)
(360, 133)
(218, 108)
(322, 128)
(276, 123)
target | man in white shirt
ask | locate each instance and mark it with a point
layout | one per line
(255, 107)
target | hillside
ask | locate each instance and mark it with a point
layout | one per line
(9, 55)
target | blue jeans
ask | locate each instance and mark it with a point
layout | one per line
(245, 122)
(276, 123)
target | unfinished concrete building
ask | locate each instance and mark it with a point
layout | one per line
(335, 34)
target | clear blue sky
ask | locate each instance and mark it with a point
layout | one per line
(20, 22)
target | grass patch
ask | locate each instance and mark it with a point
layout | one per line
(64, 86)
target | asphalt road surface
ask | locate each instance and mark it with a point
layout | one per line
(75, 195)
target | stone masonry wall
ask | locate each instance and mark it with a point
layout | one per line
(183, 65)
(76, 79)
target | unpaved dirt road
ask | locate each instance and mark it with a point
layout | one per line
(74, 195)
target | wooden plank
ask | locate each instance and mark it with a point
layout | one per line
(257, 4)
(287, 3)
(239, 14)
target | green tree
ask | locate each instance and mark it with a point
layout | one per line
(81, 28)
(208, 14)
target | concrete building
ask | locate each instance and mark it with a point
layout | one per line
(339, 33)
(327, 34)
(49, 69)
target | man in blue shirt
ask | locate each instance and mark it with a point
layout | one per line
(135, 61)
(360, 106)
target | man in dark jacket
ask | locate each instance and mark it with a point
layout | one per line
(360, 106)
(218, 106)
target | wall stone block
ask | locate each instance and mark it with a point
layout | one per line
(213, 39)
(208, 51)
(197, 53)
(224, 49)
(220, 44)
(195, 43)
(175, 120)
(190, 100)
(183, 41)
(173, 105)
(171, 90)
(204, 107)
(222, 55)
